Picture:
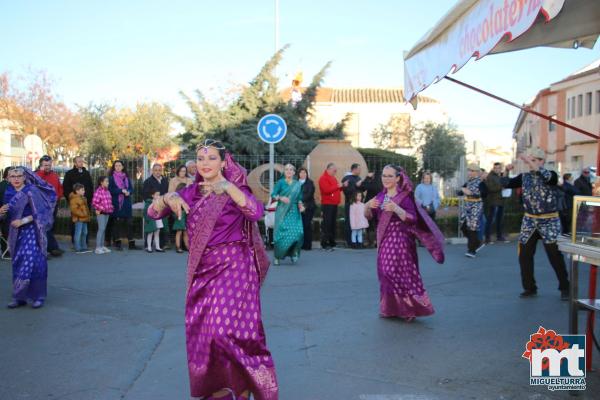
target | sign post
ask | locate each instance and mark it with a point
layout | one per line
(271, 129)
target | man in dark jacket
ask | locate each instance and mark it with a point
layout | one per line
(566, 208)
(354, 185)
(156, 183)
(78, 174)
(495, 210)
(583, 184)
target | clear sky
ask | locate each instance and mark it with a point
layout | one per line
(133, 50)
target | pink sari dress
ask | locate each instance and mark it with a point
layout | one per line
(402, 293)
(225, 338)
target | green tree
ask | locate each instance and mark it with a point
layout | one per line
(395, 134)
(441, 147)
(125, 133)
(235, 124)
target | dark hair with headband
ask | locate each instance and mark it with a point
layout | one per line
(214, 144)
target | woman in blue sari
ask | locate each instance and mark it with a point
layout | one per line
(289, 233)
(30, 203)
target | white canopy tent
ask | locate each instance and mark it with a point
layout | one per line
(475, 28)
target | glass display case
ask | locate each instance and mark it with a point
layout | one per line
(583, 248)
(585, 226)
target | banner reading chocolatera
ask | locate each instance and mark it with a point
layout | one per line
(471, 28)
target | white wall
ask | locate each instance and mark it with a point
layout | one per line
(370, 115)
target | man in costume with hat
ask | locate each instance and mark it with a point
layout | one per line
(472, 211)
(541, 220)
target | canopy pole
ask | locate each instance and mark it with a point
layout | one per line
(593, 268)
(522, 108)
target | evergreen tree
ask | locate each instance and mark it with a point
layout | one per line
(235, 124)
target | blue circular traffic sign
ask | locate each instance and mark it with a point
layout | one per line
(271, 128)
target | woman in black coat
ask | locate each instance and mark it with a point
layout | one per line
(308, 199)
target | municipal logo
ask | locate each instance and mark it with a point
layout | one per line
(556, 361)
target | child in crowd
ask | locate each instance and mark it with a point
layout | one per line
(152, 227)
(179, 226)
(358, 221)
(102, 203)
(80, 215)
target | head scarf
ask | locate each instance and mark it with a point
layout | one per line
(236, 174)
(122, 182)
(425, 229)
(41, 197)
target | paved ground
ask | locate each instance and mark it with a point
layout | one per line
(113, 329)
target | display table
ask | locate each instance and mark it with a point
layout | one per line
(579, 253)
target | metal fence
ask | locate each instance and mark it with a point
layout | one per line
(138, 170)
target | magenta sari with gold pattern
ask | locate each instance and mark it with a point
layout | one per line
(402, 293)
(225, 338)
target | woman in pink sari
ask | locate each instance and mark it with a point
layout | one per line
(401, 222)
(226, 346)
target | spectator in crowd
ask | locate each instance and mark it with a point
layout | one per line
(181, 177)
(47, 174)
(427, 195)
(470, 218)
(121, 189)
(495, 204)
(566, 208)
(192, 170)
(157, 183)
(153, 227)
(102, 202)
(330, 200)
(583, 184)
(541, 221)
(372, 184)
(482, 217)
(354, 184)
(358, 220)
(78, 174)
(308, 199)
(29, 205)
(180, 181)
(80, 215)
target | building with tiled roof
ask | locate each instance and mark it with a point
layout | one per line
(369, 108)
(575, 100)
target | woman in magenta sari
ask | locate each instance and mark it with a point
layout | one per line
(401, 222)
(226, 346)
